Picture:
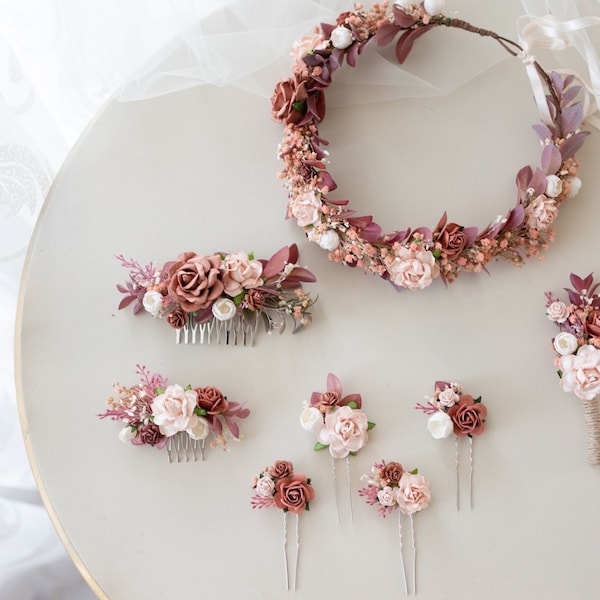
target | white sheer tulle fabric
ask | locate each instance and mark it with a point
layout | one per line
(61, 61)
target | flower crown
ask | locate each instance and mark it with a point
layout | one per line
(219, 297)
(156, 413)
(412, 258)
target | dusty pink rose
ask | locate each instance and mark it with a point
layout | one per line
(174, 410)
(294, 493)
(468, 416)
(413, 495)
(212, 400)
(254, 300)
(581, 372)
(287, 93)
(306, 208)
(558, 312)
(281, 468)
(195, 281)
(453, 240)
(592, 324)
(392, 473)
(149, 434)
(305, 45)
(345, 431)
(540, 214)
(413, 269)
(177, 318)
(239, 273)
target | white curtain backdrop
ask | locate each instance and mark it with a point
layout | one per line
(61, 60)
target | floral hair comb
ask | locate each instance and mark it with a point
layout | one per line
(179, 418)
(578, 351)
(452, 411)
(220, 297)
(280, 487)
(339, 424)
(390, 487)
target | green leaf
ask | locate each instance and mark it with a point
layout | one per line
(237, 300)
(353, 453)
(559, 373)
(200, 411)
(437, 253)
(300, 106)
(188, 387)
(251, 255)
(478, 399)
(414, 472)
(370, 425)
(352, 405)
(159, 391)
(319, 446)
(307, 507)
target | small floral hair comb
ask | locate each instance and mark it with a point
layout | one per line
(221, 297)
(390, 487)
(179, 418)
(280, 487)
(339, 424)
(452, 411)
(578, 351)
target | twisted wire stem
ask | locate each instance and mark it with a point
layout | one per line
(297, 550)
(337, 501)
(456, 473)
(401, 554)
(349, 488)
(285, 558)
(470, 472)
(414, 553)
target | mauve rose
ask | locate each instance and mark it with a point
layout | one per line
(392, 472)
(294, 493)
(581, 372)
(281, 468)
(254, 300)
(329, 399)
(195, 281)
(468, 416)
(345, 431)
(149, 434)
(212, 400)
(287, 93)
(177, 318)
(413, 495)
(453, 240)
(592, 324)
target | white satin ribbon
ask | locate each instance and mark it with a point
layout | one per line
(548, 33)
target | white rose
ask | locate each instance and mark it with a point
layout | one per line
(200, 431)
(406, 4)
(558, 312)
(224, 309)
(440, 425)
(553, 186)
(152, 302)
(448, 397)
(581, 372)
(574, 186)
(311, 419)
(433, 7)
(386, 496)
(265, 487)
(329, 240)
(126, 434)
(341, 37)
(565, 343)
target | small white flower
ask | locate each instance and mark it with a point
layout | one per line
(200, 431)
(574, 186)
(406, 4)
(311, 419)
(440, 425)
(224, 309)
(329, 240)
(553, 186)
(152, 302)
(341, 37)
(434, 7)
(558, 312)
(126, 434)
(565, 343)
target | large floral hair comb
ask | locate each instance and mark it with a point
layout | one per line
(339, 425)
(220, 298)
(391, 487)
(278, 486)
(452, 411)
(171, 416)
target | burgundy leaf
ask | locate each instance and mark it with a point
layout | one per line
(324, 179)
(581, 284)
(352, 54)
(371, 232)
(337, 202)
(215, 424)
(301, 274)
(572, 118)
(551, 159)
(294, 254)
(514, 218)
(406, 41)
(571, 145)
(126, 302)
(327, 28)
(402, 18)
(122, 289)
(351, 398)
(233, 427)
(276, 263)
(361, 222)
(386, 33)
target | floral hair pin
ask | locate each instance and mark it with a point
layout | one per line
(451, 411)
(578, 351)
(339, 424)
(221, 297)
(413, 257)
(280, 487)
(391, 488)
(179, 418)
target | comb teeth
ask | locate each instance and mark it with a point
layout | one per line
(182, 448)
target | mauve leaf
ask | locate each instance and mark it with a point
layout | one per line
(386, 33)
(557, 81)
(294, 254)
(126, 302)
(361, 222)
(425, 233)
(542, 131)
(572, 118)
(315, 398)
(301, 274)
(356, 398)
(204, 315)
(337, 202)
(406, 41)
(327, 28)
(216, 425)
(471, 233)
(122, 289)
(371, 232)
(551, 159)
(568, 80)
(515, 217)
(351, 54)
(402, 18)
(524, 176)
(571, 145)
(441, 385)
(139, 307)
(233, 427)
(363, 45)
(538, 182)
(326, 180)
(276, 263)
(334, 384)
(442, 222)
(570, 94)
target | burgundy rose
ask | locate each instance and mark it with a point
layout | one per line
(177, 318)
(195, 281)
(468, 416)
(281, 469)
(286, 94)
(254, 300)
(212, 400)
(452, 239)
(392, 473)
(592, 324)
(294, 493)
(149, 434)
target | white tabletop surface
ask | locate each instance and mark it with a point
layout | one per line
(196, 171)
